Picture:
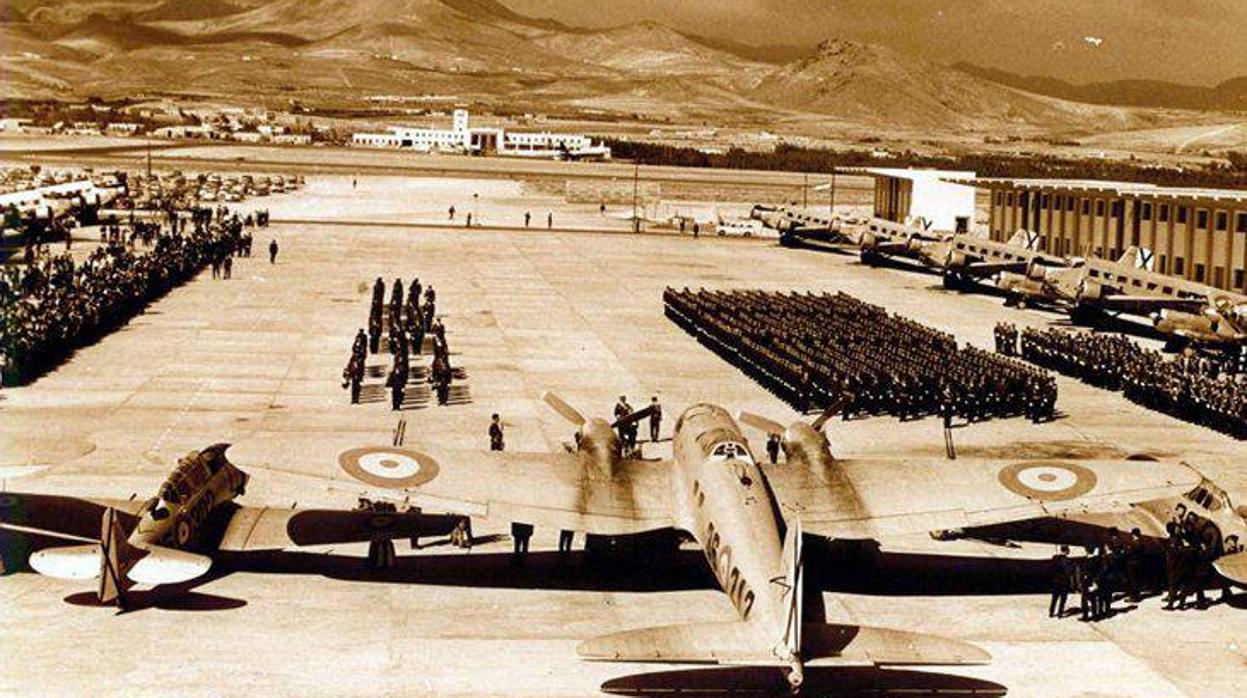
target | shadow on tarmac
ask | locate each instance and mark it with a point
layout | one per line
(842, 682)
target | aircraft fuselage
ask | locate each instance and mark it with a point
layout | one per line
(732, 512)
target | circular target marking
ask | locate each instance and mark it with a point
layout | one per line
(1047, 481)
(391, 467)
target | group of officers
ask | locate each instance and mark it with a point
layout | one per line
(51, 305)
(406, 321)
(1190, 387)
(813, 350)
(1126, 565)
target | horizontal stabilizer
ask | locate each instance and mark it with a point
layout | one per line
(168, 566)
(1233, 567)
(76, 562)
(735, 642)
(727, 642)
(885, 646)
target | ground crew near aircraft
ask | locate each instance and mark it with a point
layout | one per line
(461, 536)
(772, 448)
(468, 222)
(272, 251)
(623, 409)
(528, 216)
(520, 535)
(566, 538)
(550, 220)
(1084, 583)
(1061, 577)
(452, 212)
(495, 433)
(655, 418)
(1174, 596)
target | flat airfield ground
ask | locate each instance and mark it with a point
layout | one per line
(255, 361)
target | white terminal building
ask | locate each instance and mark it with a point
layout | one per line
(462, 138)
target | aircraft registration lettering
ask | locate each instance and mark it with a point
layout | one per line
(728, 574)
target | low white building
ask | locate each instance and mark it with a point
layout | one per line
(461, 138)
(907, 196)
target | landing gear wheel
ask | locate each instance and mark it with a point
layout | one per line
(182, 533)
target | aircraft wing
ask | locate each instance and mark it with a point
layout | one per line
(66, 516)
(1145, 305)
(498, 488)
(891, 499)
(269, 528)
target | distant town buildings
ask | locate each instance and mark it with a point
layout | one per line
(462, 138)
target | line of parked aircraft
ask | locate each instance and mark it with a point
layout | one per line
(1087, 286)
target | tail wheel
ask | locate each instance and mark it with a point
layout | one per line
(182, 532)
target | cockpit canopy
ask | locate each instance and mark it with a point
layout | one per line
(1210, 497)
(192, 474)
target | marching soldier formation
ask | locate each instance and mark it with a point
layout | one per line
(810, 349)
(406, 321)
(1191, 388)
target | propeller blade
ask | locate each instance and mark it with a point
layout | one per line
(634, 417)
(759, 422)
(832, 410)
(565, 410)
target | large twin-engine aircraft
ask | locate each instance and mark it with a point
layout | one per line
(1176, 306)
(170, 538)
(752, 522)
(965, 257)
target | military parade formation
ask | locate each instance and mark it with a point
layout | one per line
(1190, 387)
(403, 326)
(812, 349)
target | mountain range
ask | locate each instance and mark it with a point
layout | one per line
(337, 51)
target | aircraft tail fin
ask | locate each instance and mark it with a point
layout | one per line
(115, 552)
(1137, 258)
(1024, 239)
(794, 589)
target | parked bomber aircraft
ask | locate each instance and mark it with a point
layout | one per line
(1176, 306)
(964, 257)
(170, 538)
(751, 521)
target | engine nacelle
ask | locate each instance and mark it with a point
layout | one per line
(806, 444)
(956, 260)
(869, 242)
(1089, 290)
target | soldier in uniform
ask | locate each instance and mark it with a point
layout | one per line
(495, 433)
(655, 419)
(1061, 574)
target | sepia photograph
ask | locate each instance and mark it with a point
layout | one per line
(563, 348)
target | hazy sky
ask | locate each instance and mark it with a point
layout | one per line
(1189, 41)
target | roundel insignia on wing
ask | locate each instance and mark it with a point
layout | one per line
(386, 466)
(1048, 482)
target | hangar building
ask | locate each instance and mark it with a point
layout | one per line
(1195, 234)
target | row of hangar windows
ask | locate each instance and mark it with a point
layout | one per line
(1116, 207)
